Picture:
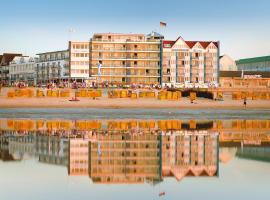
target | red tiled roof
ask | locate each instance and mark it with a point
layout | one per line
(204, 44)
(191, 43)
(168, 43)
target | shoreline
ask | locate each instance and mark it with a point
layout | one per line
(104, 103)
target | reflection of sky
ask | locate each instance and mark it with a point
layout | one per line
(239, 179)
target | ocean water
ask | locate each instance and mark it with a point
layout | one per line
(134, 154)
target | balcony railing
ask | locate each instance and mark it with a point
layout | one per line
(124, 57)
(131, 66)
(126, 49)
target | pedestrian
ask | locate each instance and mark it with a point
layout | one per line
(245, 102)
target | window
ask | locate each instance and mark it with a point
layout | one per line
(147, 71)
(135, 62)
(135, 46)
(123, 62)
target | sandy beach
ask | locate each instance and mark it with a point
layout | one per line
(104, 102)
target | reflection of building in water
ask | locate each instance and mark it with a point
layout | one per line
(135, 151)
(52, 149)
(125, 158)
(48, 149)
(78, 157)
(21, 147)
(259, 153)
(190, 153)
(226, 154)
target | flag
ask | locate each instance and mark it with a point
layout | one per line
(162, 24)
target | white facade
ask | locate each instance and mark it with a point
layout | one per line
(53, 66)
(23, 68)
(227, 63)
(79, 59)
(190, 63)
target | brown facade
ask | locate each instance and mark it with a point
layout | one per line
(125, 58)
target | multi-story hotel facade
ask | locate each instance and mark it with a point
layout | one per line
(126, 58)
(190, 63)
(79, 59)
(23, 68)
(53, 66)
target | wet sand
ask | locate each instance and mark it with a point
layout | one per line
(105, 102)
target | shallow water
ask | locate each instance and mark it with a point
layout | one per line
(134, 154)
(97, 113)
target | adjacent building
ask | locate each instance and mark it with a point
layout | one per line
(79, 60)
(244, 79)
(23, 68)
(254, 64)
(53, 66)
(227, 63)
(5, 60)
(190, 153)
(125, 158)
(126, 58)
(190, 63)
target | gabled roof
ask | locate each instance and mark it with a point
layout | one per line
(168, 43)
(191, 44)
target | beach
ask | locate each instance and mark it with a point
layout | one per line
(104, 102)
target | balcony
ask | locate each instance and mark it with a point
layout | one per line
(125, 49)
(125, 58)
(124, 67)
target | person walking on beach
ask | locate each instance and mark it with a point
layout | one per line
(245, 102)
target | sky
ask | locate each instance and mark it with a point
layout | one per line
(35, 26)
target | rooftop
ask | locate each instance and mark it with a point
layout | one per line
(253, 60)
(52, 52)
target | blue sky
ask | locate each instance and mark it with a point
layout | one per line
(30, 27)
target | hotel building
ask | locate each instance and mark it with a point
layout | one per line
(79, 59)
(23, 68)
(126, 58)
(190, 63)
(53, 66)
(5, 60)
